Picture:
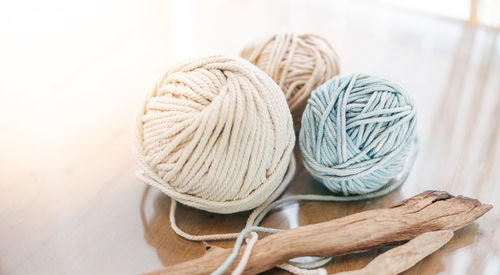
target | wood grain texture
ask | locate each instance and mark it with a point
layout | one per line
(73, 74)
(364, 231)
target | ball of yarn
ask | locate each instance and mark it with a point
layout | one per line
(356, 133)
(215, 134)
(298, 63)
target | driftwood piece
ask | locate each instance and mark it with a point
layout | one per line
(428, 211)
(403, 257)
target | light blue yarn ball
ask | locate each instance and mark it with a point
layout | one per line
(357, 131)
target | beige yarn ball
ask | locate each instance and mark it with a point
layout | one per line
(216, 134)
(298, 63)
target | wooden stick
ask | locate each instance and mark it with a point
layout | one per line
(428, 211)
(403, 257)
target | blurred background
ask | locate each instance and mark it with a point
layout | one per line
(73, 73)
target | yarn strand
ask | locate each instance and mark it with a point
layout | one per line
(246, 254)
(251, 218)
(301, 268)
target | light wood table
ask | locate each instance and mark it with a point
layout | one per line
(72, 75)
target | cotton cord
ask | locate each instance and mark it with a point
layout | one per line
(406, 162)
(215, 134)
(293, 268)
(251, 218)
(259, 214)
(246, 254)
(311, 267)
(298, 63)
(395, 183)
(239, 241)
(357, 131)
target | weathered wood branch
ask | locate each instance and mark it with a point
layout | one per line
(403, 257)
(428, 211)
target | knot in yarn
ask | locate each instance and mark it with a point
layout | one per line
(298, 63)
(215, 134)
(356, 133)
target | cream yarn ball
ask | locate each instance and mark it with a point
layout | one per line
(216, 134)
(298, 63)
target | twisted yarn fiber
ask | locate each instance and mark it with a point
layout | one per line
(298, 63)
(356, 133)
(215, 134)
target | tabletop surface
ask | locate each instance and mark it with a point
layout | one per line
(73, 76)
